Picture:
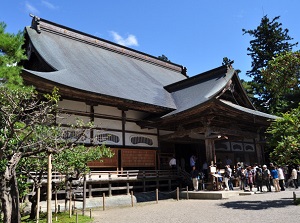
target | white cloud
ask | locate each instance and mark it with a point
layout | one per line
(129, 41)
(31, 9)
(49, 5)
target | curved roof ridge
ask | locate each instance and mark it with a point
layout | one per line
(40, 24)
(199, 89)
(247, 110)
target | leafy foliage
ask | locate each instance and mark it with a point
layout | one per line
(11, 53)
(25, 122)
(282, 78)
(28, 131)
(73, 162)
(270, 39)
(284, 138)
(248, 88)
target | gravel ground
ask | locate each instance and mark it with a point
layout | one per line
(265, 207)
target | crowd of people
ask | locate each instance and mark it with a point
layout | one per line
(279, 177)
(263, 178)
(245, 177)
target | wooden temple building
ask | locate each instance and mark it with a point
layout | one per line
(145, 109)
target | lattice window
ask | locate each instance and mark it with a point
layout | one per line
(72, 134)
(107, 137)
(141, 139)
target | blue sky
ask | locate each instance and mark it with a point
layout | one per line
(194, 33)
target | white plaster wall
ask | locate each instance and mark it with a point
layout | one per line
(131, 126)
(74, 105)
(107, 110)
(108, 123)
(135, 114)
(68, 119)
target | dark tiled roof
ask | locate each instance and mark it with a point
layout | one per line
(91, 64)
(247, 110)
(88, 67)
(199, 89)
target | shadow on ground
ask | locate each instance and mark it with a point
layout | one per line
(151, 196)
(258, 205)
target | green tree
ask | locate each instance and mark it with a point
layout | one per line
(73, 162)
(27, 123)
(11, 53)
(248, 89)
(69, 162)
(282, 78)
(25, 130)
(284, 138)
(270, 39)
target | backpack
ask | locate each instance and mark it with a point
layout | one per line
(226, 174)
(259, 176)
(237, 173)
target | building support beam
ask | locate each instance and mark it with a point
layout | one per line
(259, 150)
(209, 147)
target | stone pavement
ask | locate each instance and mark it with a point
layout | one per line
(256, 208)
(247, 207)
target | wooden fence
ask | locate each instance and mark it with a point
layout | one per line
(117, 182)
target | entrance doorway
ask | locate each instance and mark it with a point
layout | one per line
(184, 151)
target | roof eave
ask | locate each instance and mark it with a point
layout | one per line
(47, 86)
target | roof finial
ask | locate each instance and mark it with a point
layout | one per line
(184, 70)
(35, 23)
(227, 62)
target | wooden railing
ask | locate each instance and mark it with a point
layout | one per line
(119, 182)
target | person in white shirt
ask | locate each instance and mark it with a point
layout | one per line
(172, 163)
(281, 178)
(295, 177)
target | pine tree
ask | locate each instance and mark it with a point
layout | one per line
(270, 39)
(11, 53)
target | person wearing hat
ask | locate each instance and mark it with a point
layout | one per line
(266, 177)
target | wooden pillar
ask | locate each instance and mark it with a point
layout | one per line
(127, 184)
(157, 180)
(259, 151)
(209, 148)
(90, 191)
(144, 182)
(84, 195)
(109, 189)
(120, 163)
(49, 189)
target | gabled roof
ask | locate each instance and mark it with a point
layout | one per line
(216, 97)
(199, 89)
(88, 63)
